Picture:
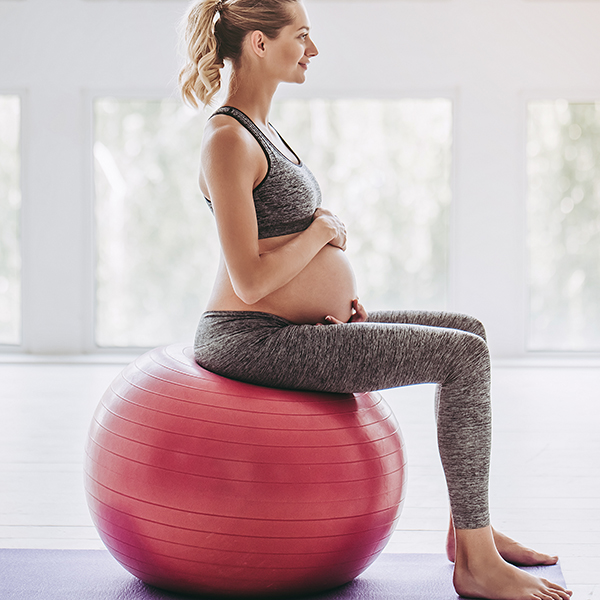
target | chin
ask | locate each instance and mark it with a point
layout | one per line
(298, 80)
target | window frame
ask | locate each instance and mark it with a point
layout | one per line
(22, 95)
(154, 94)
(570, 95)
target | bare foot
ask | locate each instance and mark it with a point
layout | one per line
(480, 572)
(510, 550)
(505, 582)
(517, 554)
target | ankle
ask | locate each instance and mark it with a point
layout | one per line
(475, 546)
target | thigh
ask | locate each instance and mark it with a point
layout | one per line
(360, 357)
(448, 320)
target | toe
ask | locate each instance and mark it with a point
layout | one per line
(558, 590)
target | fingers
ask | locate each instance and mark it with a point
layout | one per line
(339, 241)
(336, 226)
(360, 314)
(333, 320)
(321, 211)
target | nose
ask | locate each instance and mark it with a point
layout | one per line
(311, 49)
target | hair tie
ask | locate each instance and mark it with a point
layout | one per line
(219, 6)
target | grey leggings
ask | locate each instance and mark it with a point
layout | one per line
(394, 348)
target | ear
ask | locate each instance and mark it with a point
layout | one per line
(257, 41)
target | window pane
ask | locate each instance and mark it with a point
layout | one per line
(384, 166)
(564, 225)
(10, 204)
(156, 243)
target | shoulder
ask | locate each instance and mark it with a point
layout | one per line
(231, 158)
(226, 137)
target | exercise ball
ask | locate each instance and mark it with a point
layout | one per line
(203, 485)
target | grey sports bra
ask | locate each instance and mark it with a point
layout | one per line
(286, 199)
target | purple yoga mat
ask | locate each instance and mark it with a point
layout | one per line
(94, 575)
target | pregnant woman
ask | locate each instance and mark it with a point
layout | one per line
(284, 310)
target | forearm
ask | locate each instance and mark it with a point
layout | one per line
(273, 269)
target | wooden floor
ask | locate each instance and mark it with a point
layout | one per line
(545, 465)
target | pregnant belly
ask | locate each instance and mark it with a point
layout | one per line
(326, 286)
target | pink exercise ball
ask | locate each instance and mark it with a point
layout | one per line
(203, 485)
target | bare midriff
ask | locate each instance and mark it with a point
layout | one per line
(325, 287)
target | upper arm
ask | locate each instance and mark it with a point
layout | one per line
(232, 164)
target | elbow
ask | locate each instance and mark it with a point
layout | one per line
(249, 292)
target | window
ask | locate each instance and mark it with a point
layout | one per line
(384, 167)
(564, 225)
(155, 241)
(10, 204)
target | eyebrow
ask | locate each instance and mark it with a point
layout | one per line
(304, 27)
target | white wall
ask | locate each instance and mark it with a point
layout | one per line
(490, 56)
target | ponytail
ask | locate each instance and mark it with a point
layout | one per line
(200, 77)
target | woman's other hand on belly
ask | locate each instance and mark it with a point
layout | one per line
(359, 315)
(335, 225)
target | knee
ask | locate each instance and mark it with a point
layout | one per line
(476, 327)
(479, 329)
(473, 356)
(477, 345)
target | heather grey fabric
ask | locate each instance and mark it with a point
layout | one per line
(394, 348)
(286, 199)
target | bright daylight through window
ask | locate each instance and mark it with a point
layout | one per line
(10, 204)
(156, 240)
(564, 225)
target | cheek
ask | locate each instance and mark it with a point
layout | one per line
(295, 53)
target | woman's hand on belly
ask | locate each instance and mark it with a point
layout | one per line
(359, 315)
(335, 225)
(325, 287)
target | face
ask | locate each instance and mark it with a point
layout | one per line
(289, 54)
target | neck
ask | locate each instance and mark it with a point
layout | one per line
(252, 95)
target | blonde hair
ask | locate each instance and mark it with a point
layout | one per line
(215, 31)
